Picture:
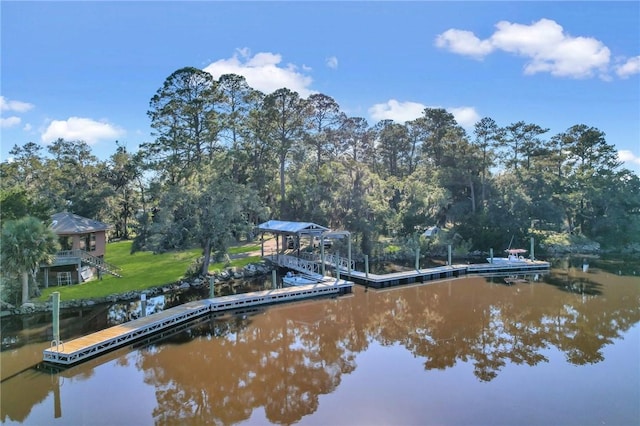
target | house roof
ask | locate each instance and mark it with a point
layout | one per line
(286, 227)
(68, 223)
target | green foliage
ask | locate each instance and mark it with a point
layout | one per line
(225, 157)
(10, 288)
(558, 242)
(195, 268)
(16, 203)
(25, 244)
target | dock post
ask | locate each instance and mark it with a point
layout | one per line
(212, 287)
(143, 304)
(57, 402)
(349, 253)
(56, 317)
(322, 265)
(418, 259)
(337, 266)
(366, 266)
(491, 255)
(532, 253)
(449, 257)
(262, 244)
(274, 283)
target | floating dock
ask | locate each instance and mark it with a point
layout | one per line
(100, 342)
(405, 277)
(443, 272)
(313, 265)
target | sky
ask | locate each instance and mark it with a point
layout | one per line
(87, 70)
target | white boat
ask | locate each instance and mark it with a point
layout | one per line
(514, 256)
(292, 279)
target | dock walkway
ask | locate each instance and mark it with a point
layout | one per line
(443, 272)
(103, 341)
(409, 276)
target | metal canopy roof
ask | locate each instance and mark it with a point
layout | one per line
(286, 227)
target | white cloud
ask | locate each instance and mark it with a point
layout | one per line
(79, 128)
(15, 106)
(263, 72)
(545, 44)
(9, 122)
(399, 112)
(467, 117)
(627, 156)
(464, 43)
(630, 67)
(332, 62)
(27, 127)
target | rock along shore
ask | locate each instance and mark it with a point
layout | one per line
(253, 270)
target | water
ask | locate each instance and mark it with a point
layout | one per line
(561, 350)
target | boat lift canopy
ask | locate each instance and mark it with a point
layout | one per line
(292, 228)
(282, 228)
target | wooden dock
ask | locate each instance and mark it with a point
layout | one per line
(100, 342)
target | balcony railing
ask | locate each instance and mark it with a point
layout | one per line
(67, 257)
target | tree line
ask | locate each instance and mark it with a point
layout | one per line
(225, 157)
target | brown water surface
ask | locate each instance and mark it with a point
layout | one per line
(563, 350)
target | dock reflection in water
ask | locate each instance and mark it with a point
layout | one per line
(563, 350)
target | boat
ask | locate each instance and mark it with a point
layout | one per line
(291, 279)
(514, 256)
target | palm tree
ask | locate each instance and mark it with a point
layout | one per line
(26, 243)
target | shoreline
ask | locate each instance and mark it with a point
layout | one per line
(256, 270)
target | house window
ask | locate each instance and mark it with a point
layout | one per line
(88, 242)
(65, 242)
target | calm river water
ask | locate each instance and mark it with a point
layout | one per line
(563, 350)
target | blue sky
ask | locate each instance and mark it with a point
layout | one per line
(87, 70)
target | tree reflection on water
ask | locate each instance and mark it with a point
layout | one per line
(282, 359)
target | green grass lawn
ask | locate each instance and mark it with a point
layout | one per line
(243, 249)
(143, 270)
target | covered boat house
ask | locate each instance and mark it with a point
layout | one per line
(289, 234)
(290, 237)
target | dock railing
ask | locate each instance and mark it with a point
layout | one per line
(298, 264)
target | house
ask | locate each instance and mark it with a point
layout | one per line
(83, 244)
(79, 233)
